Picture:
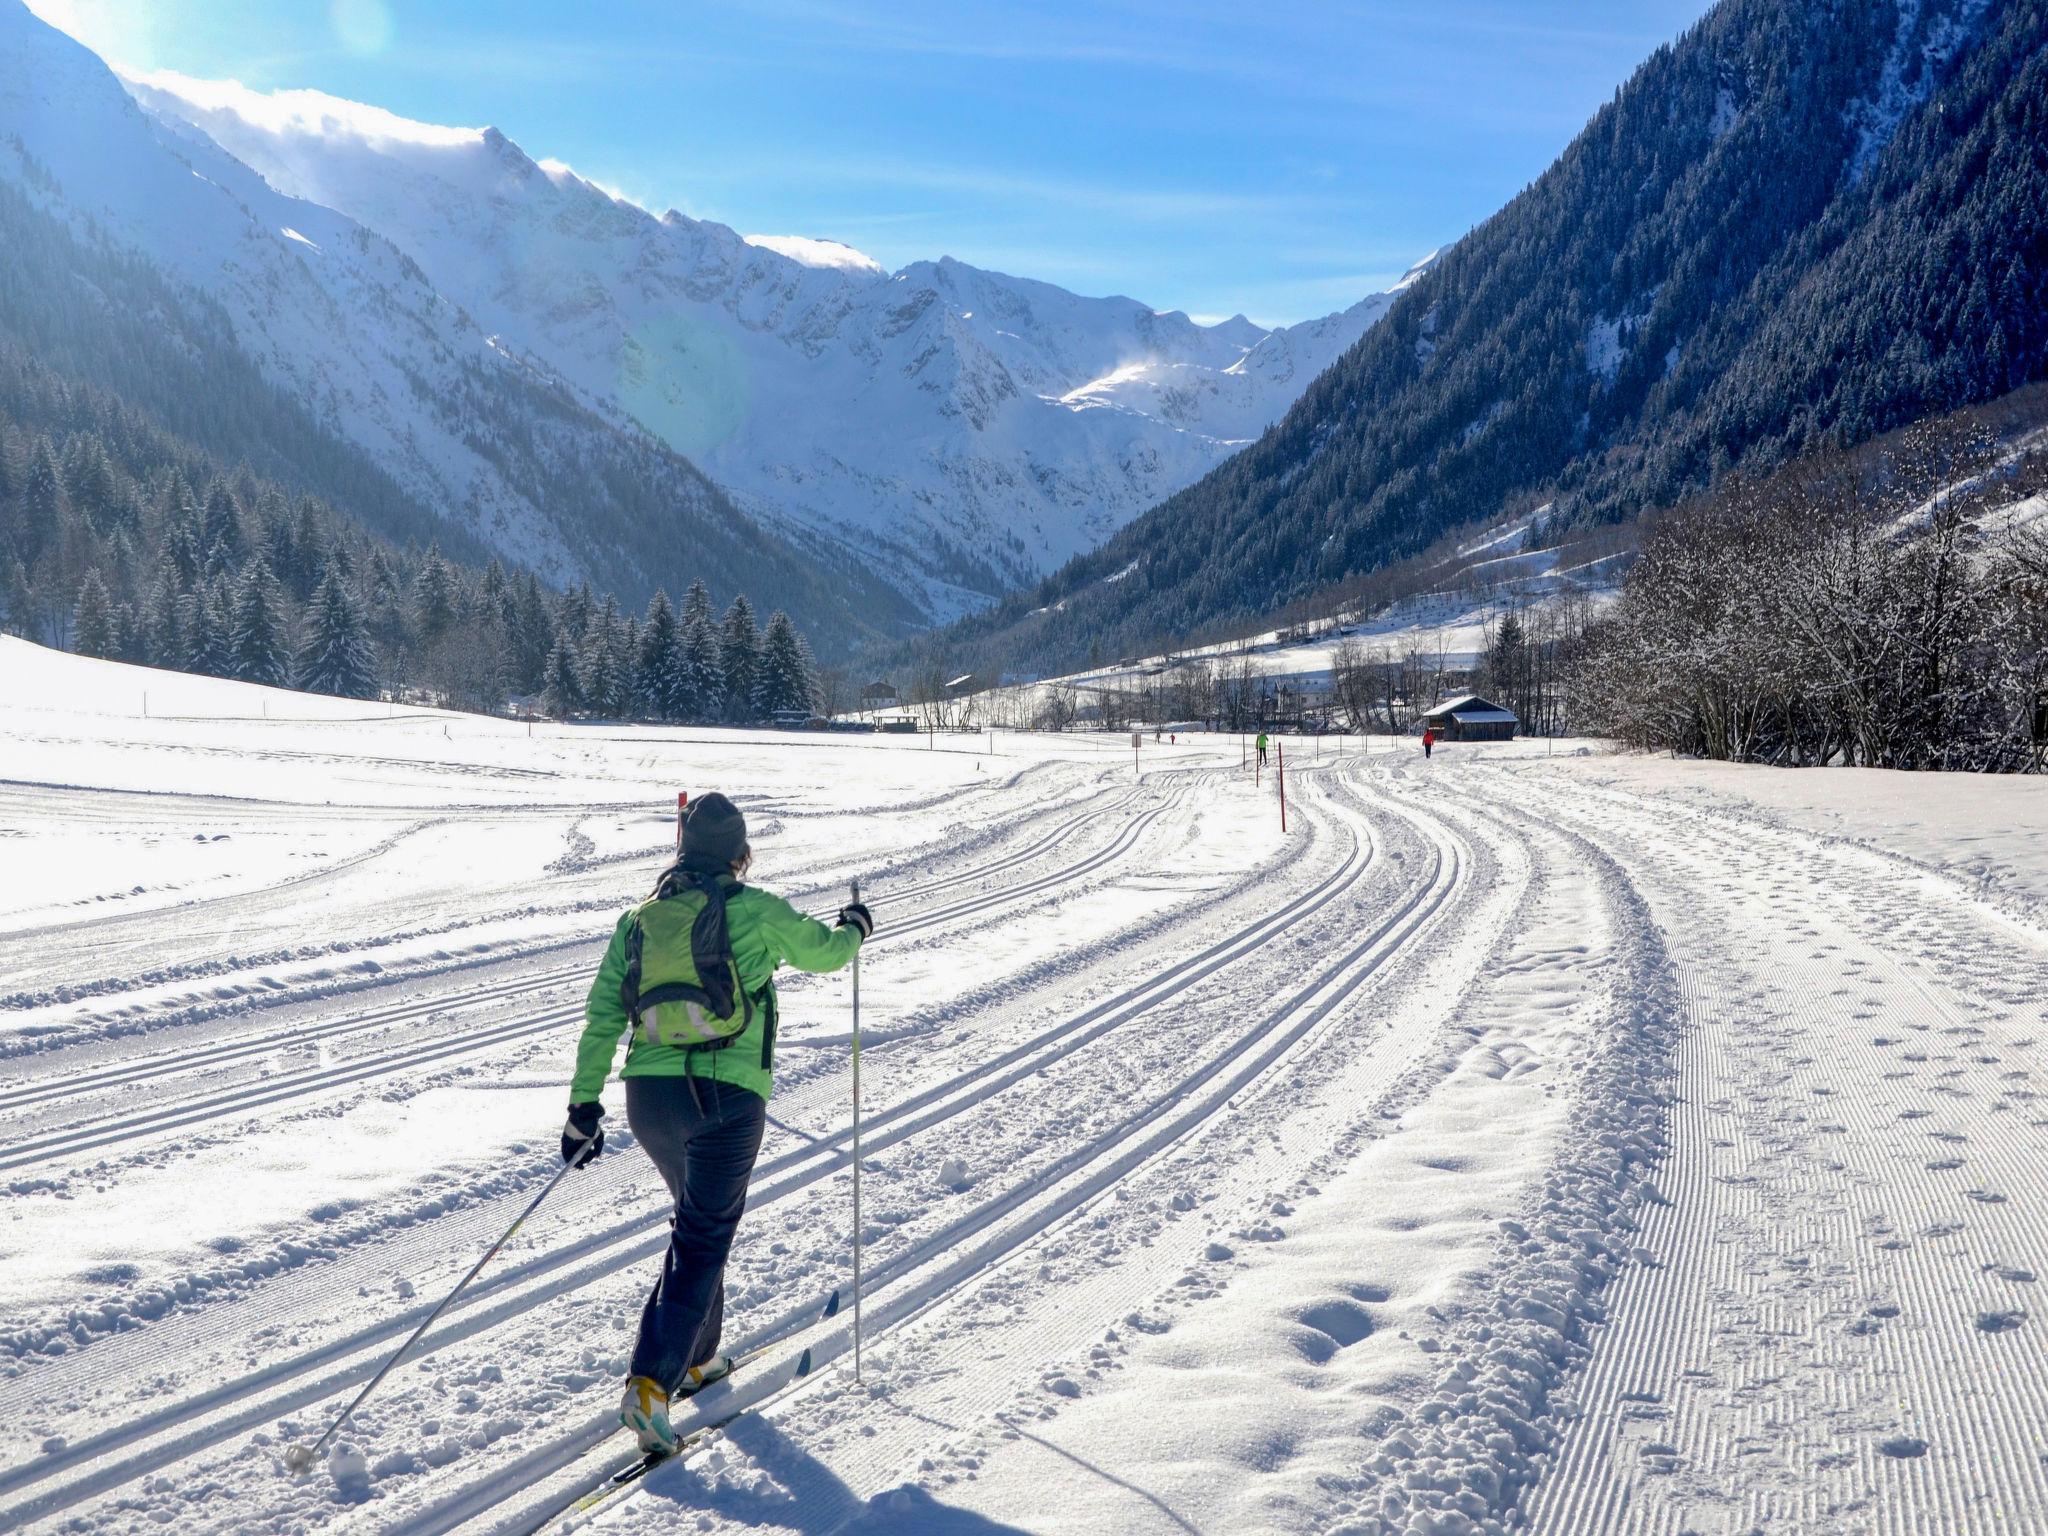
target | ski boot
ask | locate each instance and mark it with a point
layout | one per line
(644, 1410)
(717, 1368)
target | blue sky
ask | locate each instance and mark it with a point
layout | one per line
(1280, 159)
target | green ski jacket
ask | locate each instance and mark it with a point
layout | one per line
(767, 932)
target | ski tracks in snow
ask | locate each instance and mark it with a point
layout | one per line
(1839, 1331)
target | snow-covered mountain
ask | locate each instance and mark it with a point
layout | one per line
(962, 429)
(344, 322)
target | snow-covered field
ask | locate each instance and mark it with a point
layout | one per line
(1605, 1144)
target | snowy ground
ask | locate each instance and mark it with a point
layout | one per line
(1606, 1144)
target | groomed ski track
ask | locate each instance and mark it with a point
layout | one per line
(1505, 1146)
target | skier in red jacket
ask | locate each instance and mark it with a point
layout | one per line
(1428, 739)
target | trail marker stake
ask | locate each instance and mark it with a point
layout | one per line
(1282, 748)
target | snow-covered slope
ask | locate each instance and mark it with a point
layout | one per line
(963, 427)
(345, 323)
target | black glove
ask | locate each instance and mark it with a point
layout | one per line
(855, 914)
(583, 1136)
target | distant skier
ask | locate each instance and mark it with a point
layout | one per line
(692, 970)
(1262, 749)
(1428, 739)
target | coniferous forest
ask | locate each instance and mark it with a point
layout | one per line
(119, 540)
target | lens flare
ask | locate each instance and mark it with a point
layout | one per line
(363, 27)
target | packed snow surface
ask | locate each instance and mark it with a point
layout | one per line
(1527, 1136)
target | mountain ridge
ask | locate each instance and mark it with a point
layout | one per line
(963, 428)
(1801, 224)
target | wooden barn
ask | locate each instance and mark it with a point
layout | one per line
(1471, 718)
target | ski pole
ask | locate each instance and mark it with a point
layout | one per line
(856, 1148)
(300, 1458)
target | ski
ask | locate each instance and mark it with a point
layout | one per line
(615, 1483)
(620, 1482)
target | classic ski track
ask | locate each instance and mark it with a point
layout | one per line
(381, 1334)
(1754, 1200)
(81, 1137)
(937, 1264)
(154, 918)
(1247, 1161)
(244, 1403)
(172, 1060)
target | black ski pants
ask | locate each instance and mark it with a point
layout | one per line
(703, 1135)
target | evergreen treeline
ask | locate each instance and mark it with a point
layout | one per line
(1754, 251)
(119, 540)
(97, 317)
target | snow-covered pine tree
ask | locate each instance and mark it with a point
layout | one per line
(607, 674)
(739, 657)
(256, 642)
(202, 645)
(220, 528)
(92, 618)
(782, 679)
(335, 654)
(156, 627)
(42, 503)
(433, 598)
(309, 540)
(562, 691)
(697, 604)
(703, 674)
(533, 636)
(656, 681)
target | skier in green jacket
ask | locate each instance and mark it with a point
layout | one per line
(698, 1112)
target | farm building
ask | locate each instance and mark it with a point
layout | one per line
(1471, 718)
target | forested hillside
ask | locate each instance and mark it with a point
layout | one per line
(1803, 224)
(194, 518)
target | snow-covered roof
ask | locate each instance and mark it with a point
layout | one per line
(1469, 706)
(1483, 716)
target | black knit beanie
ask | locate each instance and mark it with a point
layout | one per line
(714, 834)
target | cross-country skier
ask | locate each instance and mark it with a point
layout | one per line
(1428, 739)
(1262, 749)
(697, 1079)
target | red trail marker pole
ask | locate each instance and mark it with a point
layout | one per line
(682, 805)
(1283, 784)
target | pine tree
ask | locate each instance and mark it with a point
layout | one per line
(42, 503)
(220, 529)
(256, 649)
(739, 652)
(657, 677)
(696, 605)
(606, 677)
(17, 600)
(156, 628)
(309, 541)
(92, 619)
(90, 478)
(533, 636)
(703, 675)
(335, 655)
(202, 645)
(562, 692)
(783, 679)
(433, 598)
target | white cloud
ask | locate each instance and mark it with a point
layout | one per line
(817, 253)
(313, 113)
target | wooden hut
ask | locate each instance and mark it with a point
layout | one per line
(1468, 717)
